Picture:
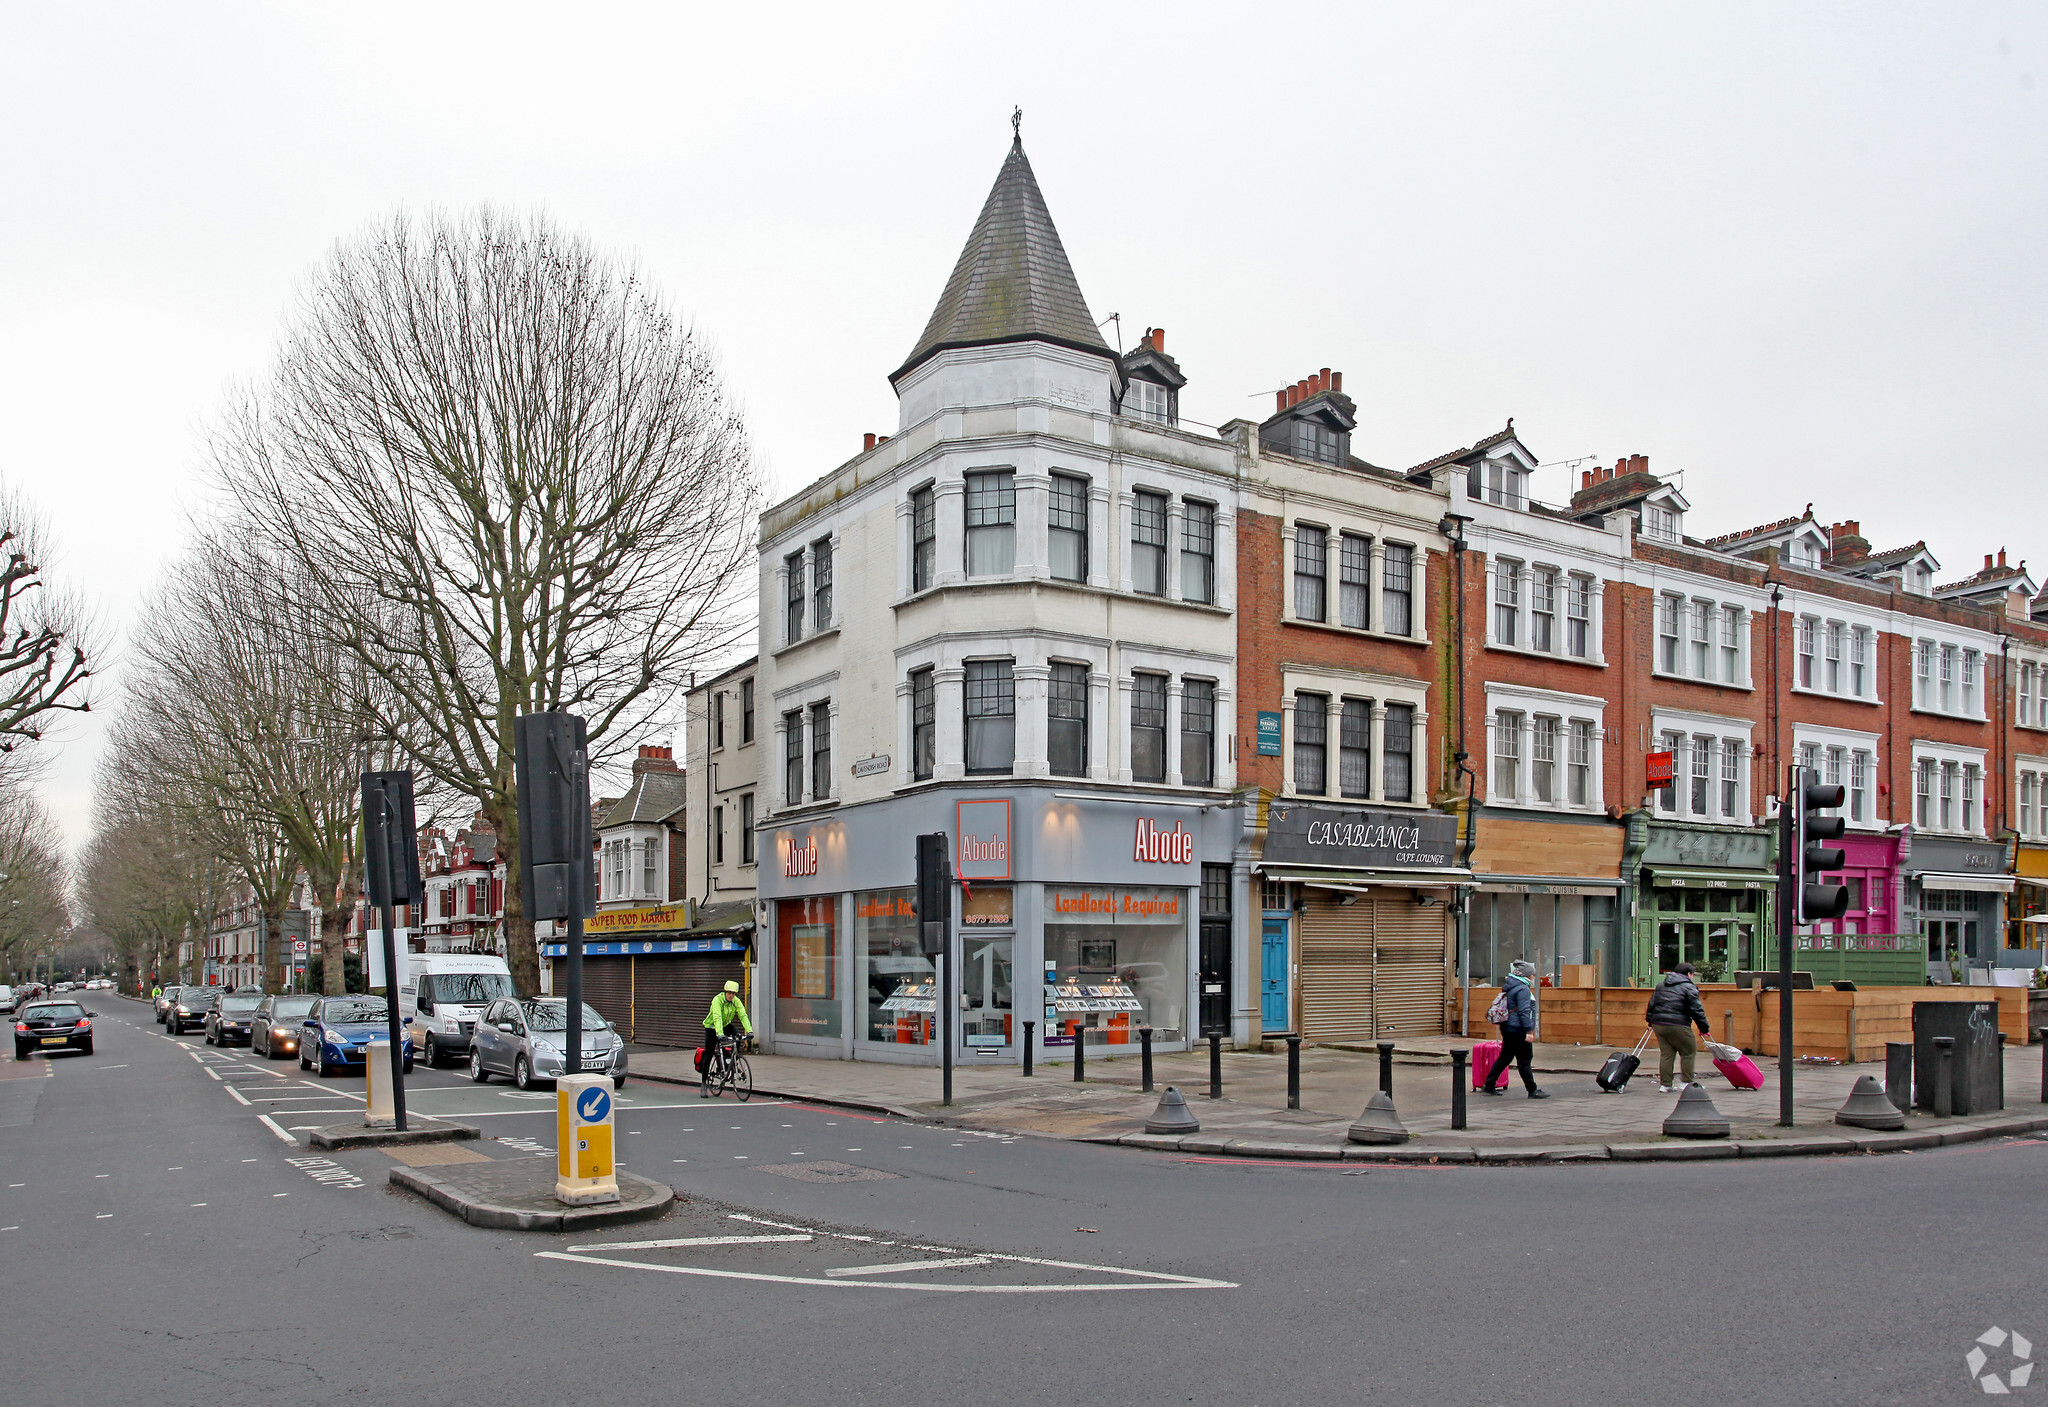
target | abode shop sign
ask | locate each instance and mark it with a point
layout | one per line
(1157, 847)
(983, 851)
(799, 861)
(1360, 838)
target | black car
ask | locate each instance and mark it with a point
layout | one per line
(228, 1019)
(52, 1025)
(188, 1009)
(274, 1029)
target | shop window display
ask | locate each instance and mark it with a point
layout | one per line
(892, 975)
(1713, 929)
(806, 968)
(1107, 937)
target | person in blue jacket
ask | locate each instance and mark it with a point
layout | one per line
(1520, 992)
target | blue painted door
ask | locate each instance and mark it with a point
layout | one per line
(1273, 976)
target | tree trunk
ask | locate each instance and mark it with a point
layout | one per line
(277, 949)
(333, 944)
(521, 954)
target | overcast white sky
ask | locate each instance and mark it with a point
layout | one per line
(1794, 250)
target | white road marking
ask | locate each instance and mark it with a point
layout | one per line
(272, 1125)
(201, 1204)
(903, 1266)
(123, 1067)
(244, 1099)
(287, 1194)
(689, 1241)
(110, 1174)
(103, 1216)
(16, 1228)
(1154, 1280)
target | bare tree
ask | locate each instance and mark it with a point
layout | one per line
(142, 880)
(509, 481)
(34, 881)
(47, 636)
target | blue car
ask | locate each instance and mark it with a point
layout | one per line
(336, 1034)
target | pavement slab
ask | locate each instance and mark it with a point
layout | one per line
(518, 1194)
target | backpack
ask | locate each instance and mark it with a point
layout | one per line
(700, 1060)
(1501, 1010)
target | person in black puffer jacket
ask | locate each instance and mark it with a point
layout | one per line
(1675, 1008)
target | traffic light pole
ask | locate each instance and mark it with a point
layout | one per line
(1789, 802)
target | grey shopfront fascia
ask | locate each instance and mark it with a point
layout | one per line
(1705, 895)
(1955, 898)
(1066, 853)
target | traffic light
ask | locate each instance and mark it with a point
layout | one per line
(1810, 858)
(391, 845)
(934, 893)
(551, 768)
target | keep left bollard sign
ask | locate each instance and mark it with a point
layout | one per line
(584, 1170)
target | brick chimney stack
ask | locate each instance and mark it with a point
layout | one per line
(654, 759)
(1846, 543)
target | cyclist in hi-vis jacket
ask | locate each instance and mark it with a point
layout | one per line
(726, 1009)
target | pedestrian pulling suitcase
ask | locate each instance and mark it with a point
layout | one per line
(1739, 1068)
(1614, 1075)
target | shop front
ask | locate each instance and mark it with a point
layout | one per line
(1100, 910)
(1355, 941)
(1547, 893)
(1704, 895)
(1956, 891)
(652, 973)
(2026, 931)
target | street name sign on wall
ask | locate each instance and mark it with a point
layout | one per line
(1360, 838)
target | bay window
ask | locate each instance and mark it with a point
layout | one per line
(1067, 528)
(991, 743)
(1198, 732)
(991, 523)
(1148, 727)
(1067, 720)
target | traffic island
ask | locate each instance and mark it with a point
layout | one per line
(358, 1135)
(518, 1194)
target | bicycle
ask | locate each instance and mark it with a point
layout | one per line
(726, 1069)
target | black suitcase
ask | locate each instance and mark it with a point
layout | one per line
(1615, 1074)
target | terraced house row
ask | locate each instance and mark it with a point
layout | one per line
(1234, 729)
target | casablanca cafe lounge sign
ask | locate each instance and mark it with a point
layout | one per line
(1359, 839)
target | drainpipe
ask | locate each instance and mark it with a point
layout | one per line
(1453, 527)
(1777, 743)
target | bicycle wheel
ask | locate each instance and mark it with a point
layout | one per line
(742, 1078)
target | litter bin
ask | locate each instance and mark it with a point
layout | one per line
(1977, 1070)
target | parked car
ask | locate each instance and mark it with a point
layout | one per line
(274, 1028)
(336, 1034)
(166, 998)
(524, 1040)
(52, 1025)
(188, 1010)
(6, 997)
(227, 1020)
(442, 996)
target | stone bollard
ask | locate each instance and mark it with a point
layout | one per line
(1695, 1116)
(1458, 1059)
(1868, 1108)
(1387, 1068)
(1294, 1072)
(1145, 1056)
(1029, 1027)
(1172, 1115)
(1379, 1123)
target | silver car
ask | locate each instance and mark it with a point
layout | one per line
(524, 1041)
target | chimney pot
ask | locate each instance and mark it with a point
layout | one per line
(867, 442)
(1585, 480)
(1279, 400)
(1323, 377)
(1159, 340)
(1987, 561)
(2001, 556)
(1336, 381)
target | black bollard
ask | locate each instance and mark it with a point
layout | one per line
(1145, 1056)
(1944, 1075)
(1029, 1028)
(1215, 1067)
(1458, 1058)
(1294, 1072)
(1080, 1052)
(2043, 1034)
(1387, 1068)
(1898, 1074)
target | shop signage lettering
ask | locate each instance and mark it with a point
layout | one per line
(1158, 847)
(983, 851)
(1367, 839)
(1269, 733)
(887, 906)
(1658, 767)
(638, 920)
(1082, 904)
(1733, 850)
(799, 860)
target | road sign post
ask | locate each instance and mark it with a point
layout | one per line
(585, 1170)
(391, 876)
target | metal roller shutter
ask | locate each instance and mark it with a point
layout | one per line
(607, 986)
(1336, 970)
(672, 993)
(1412, 946)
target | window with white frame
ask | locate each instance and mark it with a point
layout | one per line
(1148, 727)
(1703, 639)
(1146, 400)
(1859, 661)
(1948, 678)
(1543, 609)
(924, 538)
(991, 523)
(1731, 782)
(1972, 663)
(1148, 542)
(1067, 526)
(1731, 644)
(1354, 748)
(1344, 737)
(1832, 657)
(1397, 588)
(821, 584)
(1669, 608)
(1948, 788)
(1700, 800)
(1579, 616)
(1947, 697)
(1507, 601)
(1709, 768)
(793, 616)
(1923, 673)
(1660, 522)
(1545, 749)
(1543, 760)
(1198, 552)
(2029, 688)
(1311, 743)
(650, 850)
(1311, 572)
(1507, 755)
(1354, 580)
(1859, 787)
(1667, 795)
(1580, 764)
(2033, 800)
(1923, 792)
(1808, 627)
(1832, 674)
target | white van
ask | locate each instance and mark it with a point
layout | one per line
(442, 997)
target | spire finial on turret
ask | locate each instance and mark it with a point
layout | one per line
(1017, 126)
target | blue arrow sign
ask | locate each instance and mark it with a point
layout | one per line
(593, 1104)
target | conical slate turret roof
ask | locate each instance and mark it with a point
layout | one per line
(1013, 281)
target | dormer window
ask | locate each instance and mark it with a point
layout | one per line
(1312, 439)
(1148, 400)
(1498, 481)
(1660, 522)
(1801, 552)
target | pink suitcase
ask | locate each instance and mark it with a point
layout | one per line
(1741, 1072)
(1484, 1054)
